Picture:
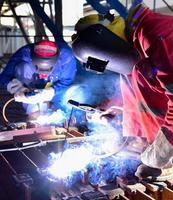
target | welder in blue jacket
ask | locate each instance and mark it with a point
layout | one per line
(45, 66)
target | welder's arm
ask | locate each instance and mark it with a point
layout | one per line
(15, 86)
(153, 36)
(9, 71)
(43, 95)
(7, 75)
(160, 152)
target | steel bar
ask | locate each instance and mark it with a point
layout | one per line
(18, 21)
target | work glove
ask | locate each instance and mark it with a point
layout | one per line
(113, 110)
(104, 116)
(42, 96)
(15, 86)
(159, 154)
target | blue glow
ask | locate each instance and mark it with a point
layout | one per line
(93, 148)
(78, 93)
(70, 161)
(57, 117)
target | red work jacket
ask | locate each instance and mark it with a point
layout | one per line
(148, 99)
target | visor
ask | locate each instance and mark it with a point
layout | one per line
(100, 48)
(44, 64)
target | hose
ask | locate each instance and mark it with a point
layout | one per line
(4, 109)
(39, 143)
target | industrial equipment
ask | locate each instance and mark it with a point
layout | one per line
(24, 156)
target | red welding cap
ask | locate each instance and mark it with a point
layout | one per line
(45, 55)
(46, 48)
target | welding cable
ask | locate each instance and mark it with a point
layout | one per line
(35, 144)
(4, 109)
(122, 146)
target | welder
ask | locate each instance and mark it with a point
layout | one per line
(36, 73)
(140, 49)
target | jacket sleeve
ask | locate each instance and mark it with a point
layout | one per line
(23, 54)
(155, 38)
(7, 75)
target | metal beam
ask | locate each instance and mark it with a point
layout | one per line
(18, 20)
(39, 28)
(35, 5)
(58, 15)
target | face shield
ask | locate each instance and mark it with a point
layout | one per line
(101, 49)
(44, 57)
(44, 65)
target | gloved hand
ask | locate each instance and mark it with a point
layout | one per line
(14, 86)
(159, 153)
(104, 116)
(43, 96)
(113, 110)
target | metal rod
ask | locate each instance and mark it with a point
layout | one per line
(32, 162)
(9, 165)
(22, 35)
(18, 20)
(23, 16)
(127, 4)
(26, 186)
(154, 5)
(68, 124)
(168, 5)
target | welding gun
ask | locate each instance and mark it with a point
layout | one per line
(84, 107)
(32, 92)
(89, 109)
(42, 106)
(41, 97)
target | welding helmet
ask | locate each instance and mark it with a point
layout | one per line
(99, 49)
(44, 56)
(116, 24)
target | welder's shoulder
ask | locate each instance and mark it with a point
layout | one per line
(66, 55)
(23, 53)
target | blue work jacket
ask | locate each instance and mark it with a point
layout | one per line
(20, 66)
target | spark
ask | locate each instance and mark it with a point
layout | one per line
(72, 160)
(56, 117)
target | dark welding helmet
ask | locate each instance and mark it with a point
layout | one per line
(100, 49)
(44, 56)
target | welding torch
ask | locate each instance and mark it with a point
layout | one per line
(32, 92)
(92, 110)
(82, 106)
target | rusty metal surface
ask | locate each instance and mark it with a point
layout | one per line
(21, 177)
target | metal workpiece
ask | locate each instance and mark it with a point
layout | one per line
(23, 170)
(27, 171)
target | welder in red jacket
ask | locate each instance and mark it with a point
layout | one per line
(146, 78)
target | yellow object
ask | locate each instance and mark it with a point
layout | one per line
(133, 12)
(86, 21)
(48, 84)
(117, 26)
(133, 17)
